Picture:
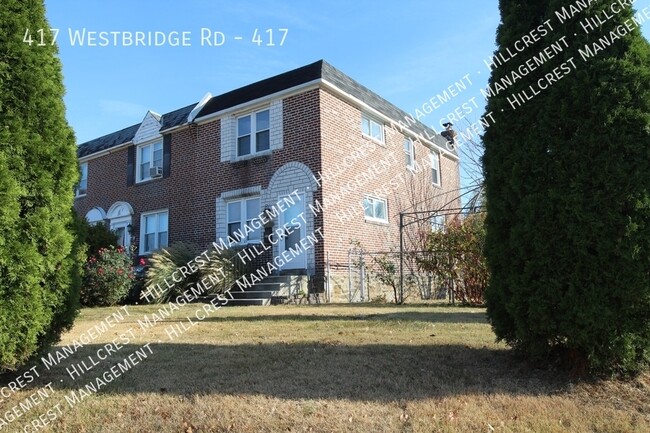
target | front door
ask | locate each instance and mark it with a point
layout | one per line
(292, 220)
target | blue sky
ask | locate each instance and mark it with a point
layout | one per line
(407, 51)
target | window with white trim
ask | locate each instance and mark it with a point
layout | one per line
(438, 223)
(253, 133)
(82, 188)
(372, 128)
(435, 168)
(409, 152)
(154, 231)
(240, 215)
(148, 156)
(375, 209)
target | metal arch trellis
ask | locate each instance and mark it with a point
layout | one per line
(426, 215)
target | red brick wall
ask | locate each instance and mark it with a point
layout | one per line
(107, 185)
(319, 130)
(197, 177)
(345, 221)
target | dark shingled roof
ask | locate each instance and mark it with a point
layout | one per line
(169, 120)
(314, 71)
(177, 117)
(295, 77)
(107, 141)
(263, 88)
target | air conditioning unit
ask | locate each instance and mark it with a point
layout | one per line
(155, 172)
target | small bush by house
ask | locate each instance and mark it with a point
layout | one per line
(107, 277)
(164, 281)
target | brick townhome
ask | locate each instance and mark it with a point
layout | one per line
(312, 136)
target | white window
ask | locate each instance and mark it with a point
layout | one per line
(435, 168)
(438, 223)
(372, 128)
(240, 215)
(149, 156)
(253, 133)
(82, 188)
(409, 152)
(375, 209)
(153, 231)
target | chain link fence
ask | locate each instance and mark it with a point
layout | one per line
(374, 277)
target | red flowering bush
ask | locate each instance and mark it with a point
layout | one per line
(107, 277)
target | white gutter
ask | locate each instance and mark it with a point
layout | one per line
(105, 151)
(246, 106)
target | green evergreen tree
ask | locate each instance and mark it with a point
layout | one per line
(39, 270)
(567, 176)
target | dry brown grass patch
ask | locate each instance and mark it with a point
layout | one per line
(334, 368)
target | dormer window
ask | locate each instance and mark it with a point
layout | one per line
(253, 133)
(150, 161)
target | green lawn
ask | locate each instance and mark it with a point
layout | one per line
(328, 368)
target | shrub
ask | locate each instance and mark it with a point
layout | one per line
(567, 177)
(384, 268)
(63, 318)
(139, 278)
(38, 171)
(456, 255)
(100, 236)
(227, 267)
(165, 265)
(107, 277)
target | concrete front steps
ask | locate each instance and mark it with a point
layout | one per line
(274, 289)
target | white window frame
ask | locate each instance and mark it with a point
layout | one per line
(125, 222)
(438, 223)
(245, 218)
(253, 133)
(372, 121)
(435, 168)
(410, 153)
(83, 167)
(143, 230)
(143, 177)
(373, 218)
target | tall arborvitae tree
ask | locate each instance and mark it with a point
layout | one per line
(567, 172)
(38, 170)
